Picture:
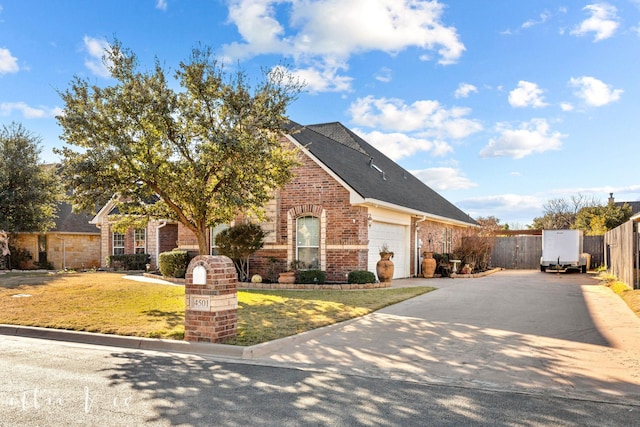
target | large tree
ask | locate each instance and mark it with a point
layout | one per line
(29, 189)
(209, 148)
(597, 220)
(561, 213)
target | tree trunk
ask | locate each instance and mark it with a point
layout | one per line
(203, 246)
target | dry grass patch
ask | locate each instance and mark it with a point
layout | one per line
(108, 303)
(92, 302)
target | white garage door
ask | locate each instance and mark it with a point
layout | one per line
(395, 237)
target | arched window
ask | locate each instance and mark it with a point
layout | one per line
(308, 241)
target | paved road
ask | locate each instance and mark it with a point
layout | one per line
(51, 383)
(510, 349)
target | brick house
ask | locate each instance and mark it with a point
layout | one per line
(73, 243)
(158, 236)
(346, 200)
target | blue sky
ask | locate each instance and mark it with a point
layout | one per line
(499, 105)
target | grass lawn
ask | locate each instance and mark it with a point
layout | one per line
(107, 303)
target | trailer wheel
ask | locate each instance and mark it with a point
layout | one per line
(584, 269)
(543, 268)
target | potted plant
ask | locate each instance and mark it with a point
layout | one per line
(289, 277)
(384, 267)
(429, 264)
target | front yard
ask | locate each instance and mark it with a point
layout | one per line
(108, 303)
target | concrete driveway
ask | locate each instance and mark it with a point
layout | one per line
(522, 331)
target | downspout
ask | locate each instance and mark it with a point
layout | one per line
(162, 224)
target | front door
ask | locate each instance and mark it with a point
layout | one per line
(42, 250)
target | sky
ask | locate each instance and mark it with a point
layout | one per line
(499, 105)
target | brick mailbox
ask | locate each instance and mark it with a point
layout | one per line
(211, 293)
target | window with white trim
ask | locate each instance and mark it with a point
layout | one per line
(447, 240)
(308, 241)
(118, 243)
(213, 233)
(140, 241)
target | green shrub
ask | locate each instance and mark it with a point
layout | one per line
(238, 243)
(19, 257)
(361, 277)
(129, 261)
(174, 263)
(317, 277)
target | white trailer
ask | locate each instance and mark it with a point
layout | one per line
(562, 250)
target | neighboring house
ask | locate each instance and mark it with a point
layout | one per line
(73, 243)
(635, 206)
(347, 200)
(157, 237)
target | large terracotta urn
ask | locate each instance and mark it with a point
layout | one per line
(428, 265)
(287, 278)
(384, 267)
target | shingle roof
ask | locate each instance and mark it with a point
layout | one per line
(635, 206)
(370, 173)
(70, 222)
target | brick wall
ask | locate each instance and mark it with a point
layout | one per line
(73, 251)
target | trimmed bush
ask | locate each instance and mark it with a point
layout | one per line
(361, 277)
(316, 277)
(174, 263)
(129, 261)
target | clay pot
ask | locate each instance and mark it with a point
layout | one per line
(428, 265)
(287, 277)
(385, 267)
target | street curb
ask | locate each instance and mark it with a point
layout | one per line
(155, 344)
(140, 343)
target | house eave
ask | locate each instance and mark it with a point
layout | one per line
(413, 212)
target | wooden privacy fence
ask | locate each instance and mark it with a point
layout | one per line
(524, 252)
(621, 253)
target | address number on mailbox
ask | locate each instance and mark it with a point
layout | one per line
(200, 303)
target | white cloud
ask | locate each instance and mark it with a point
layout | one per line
(7, 108)
(464, 90)
(531, 137)
(603, 22)
(506, 207)
(96, 49)
(566, 106)
(442, 179)
(594, 92)
(398, 145)
(384, 75)
(161, 4)
(544, 17)
(527, 94)
(323, 79)
(8, 62)
(333, 30)
(426, 116)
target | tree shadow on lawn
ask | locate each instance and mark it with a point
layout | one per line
(18, 280)
(172, 318)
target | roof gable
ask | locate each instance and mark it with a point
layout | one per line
(372, 174)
